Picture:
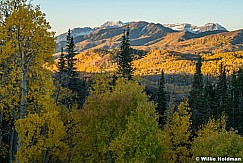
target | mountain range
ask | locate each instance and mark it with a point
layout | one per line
(184, 38)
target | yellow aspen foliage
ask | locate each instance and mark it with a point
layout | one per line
(104, 117)
(215, 141)
(9, 87)
(141, 139)
(172, 62)
(213, 126)
(25, 53)
(26, 86)
(41, 138)
(176, 136)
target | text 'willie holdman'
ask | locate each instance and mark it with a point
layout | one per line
(221, 159)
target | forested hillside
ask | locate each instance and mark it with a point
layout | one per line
(152, 62)
(118, 105)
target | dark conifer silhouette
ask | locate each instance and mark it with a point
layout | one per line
(196, 96)
(62, 63)
(125, 58)
(161, 107)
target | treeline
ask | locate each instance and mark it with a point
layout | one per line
(46, 117)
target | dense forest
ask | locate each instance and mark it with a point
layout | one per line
(51, 111)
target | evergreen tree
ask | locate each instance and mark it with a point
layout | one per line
(240, 112)
(234, 100)
(74, 83)
(208, 99)
(62, 63)
(70, 89)
(221, 92)
(237, 96)
(125, 58)
(161, 107)
(71, 61)
(196, 96)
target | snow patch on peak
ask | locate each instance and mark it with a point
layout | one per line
(75, 32)
(143, 29)
(214, 26)
(195, 29)
(183, 26)
(112, 24)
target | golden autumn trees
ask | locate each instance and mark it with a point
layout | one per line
(117, 122)
(140, 141)
(170, 61)
(27, 40)
(176, 135)
(112, 118)
(41, 138)
(26, 85)
(26, 48)
(215, 141)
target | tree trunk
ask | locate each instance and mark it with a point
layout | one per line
(46, 158)
(109, 153)
(109, 157)
(23, 110)
(1, 125)
(240, 113)
(233, 107)
(11, 145)
(23, 61)
(58, 90)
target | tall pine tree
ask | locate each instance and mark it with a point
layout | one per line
(196, 96)
(75, 84)
(71, 53)
(161, 107)
(236, 98)
(221, 92)
(67, 79)
(62, 63)
(125, 58)
(240, 101)
(234, 91)
(208, 99)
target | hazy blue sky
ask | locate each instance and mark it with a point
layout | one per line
(65, 14)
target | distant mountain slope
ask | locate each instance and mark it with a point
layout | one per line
(185, 42)
(141, 33)
(184, 38)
